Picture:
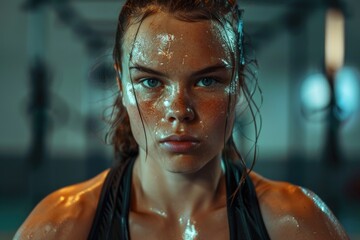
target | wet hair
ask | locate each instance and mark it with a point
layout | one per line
(226, 13)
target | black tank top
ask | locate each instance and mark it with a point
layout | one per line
(111, 217)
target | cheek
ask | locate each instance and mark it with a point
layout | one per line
(212, 114)
(215, 115)
(215, 104)
(135, 122)
(139, 112)
(128, 95)
(149, 119)
(142, 109)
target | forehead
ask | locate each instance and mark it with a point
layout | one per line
(162, 37)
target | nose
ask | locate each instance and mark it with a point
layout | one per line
(179, 107)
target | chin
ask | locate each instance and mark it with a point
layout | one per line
(184, 164)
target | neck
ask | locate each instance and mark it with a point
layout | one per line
(181, 195)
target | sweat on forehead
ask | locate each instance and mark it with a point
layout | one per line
(165, 36)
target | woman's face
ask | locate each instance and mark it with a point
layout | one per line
(178, 75)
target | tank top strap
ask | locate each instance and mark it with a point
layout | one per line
(111, 218)
(110, 221)
(244, 214)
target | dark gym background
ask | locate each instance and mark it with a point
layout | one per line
(56, 82)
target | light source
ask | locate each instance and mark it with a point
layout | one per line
(334, 40)
(330, 92)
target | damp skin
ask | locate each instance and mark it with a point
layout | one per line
(179, 74)
(173, 80)
(190, 231)
(64, 214)
(164, 48)
(332, 223)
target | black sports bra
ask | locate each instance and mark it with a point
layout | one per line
(111, 218)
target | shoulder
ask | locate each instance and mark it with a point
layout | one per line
(64, 214)
(290, 210)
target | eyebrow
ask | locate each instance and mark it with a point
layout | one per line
(206, 70)
(144, 69)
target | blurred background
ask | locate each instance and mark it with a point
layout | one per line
(57, 83)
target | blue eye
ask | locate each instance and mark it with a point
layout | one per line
(150, 83)
(206, 82)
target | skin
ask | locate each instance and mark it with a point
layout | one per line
(180, 184)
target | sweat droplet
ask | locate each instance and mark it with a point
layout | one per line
(47, 229)
(202, 124)
(190, 232)
(183, 60)
(165, 45)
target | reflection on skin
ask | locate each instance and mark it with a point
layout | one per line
(190, 233)
(137, 54)
(165, 45)
(47, 231)
(227, 35)
(130, 94)
(167, 103)
(62, 209)
(183, 60)
(292, 219)
(70, 200)
(322, 206)
(159, 212)
(317, 201)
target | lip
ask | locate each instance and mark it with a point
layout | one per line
(179, 143)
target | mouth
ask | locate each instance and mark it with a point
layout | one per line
(179, 143)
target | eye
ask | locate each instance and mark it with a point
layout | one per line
(206, 82)
(150, 83)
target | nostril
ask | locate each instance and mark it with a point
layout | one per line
(189, 116)
(189, 111)
(186, 114)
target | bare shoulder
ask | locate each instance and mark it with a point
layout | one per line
(293, 212)
(64, 214)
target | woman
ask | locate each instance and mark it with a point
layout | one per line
(180, 68)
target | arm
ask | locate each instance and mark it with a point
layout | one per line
(292, 212)
(65, 214)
